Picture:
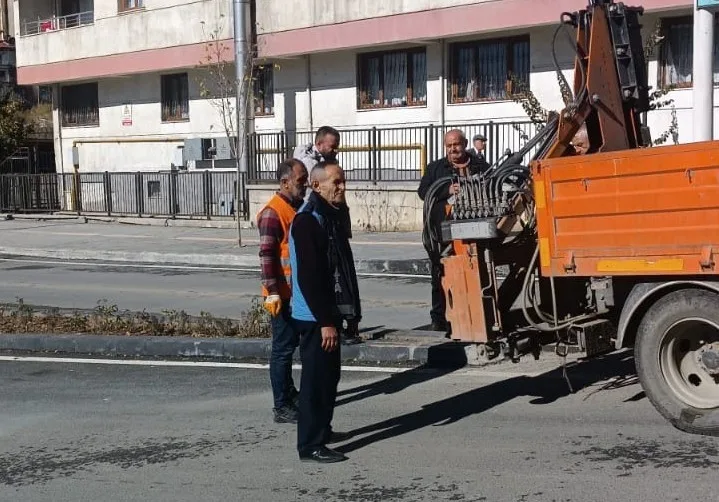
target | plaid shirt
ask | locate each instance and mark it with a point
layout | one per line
(271, 236)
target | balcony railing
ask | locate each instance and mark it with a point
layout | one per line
(57, 23)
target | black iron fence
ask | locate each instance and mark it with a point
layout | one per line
(385, 154)
(371, 155)
(166, 193)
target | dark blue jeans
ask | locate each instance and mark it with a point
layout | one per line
(285, 339)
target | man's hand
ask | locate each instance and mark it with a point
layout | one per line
(273, 305)
(453, 189)
(329, 339)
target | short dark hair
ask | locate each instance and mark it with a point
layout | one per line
(285, 168)
(326, 130)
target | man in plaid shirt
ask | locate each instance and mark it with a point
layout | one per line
(274, 223)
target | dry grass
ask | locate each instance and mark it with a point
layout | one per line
(107, 319)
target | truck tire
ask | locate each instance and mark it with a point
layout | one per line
(677, 359)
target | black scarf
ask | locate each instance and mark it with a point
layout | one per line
(340, 257)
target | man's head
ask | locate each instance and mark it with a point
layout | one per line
(479, 141)
(580, 141)
(327, 180)
(455, 146)
(327, 141)
(292, 175)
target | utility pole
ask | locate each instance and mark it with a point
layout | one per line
(702, 72)
(243, 81)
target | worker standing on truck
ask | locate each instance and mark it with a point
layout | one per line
(274, 223)
(457, 161)
(325, 296)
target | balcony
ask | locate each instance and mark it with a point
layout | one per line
(55, 23)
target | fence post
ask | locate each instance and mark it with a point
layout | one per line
(139, 194)
(206, 192)
(77, 184)
(173, 194)
(428, 144)
(377, 155)
(107, 183)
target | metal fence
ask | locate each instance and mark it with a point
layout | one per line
(53, 23)
(165, 193)
(385, 154)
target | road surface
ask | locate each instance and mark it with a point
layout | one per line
(398, 303)
(508, 433)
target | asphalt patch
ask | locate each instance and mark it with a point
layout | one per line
(39, 465)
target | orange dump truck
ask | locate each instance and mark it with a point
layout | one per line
(597, 239)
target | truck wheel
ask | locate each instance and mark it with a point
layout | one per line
(677, 359)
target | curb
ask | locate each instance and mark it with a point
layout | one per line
(415, 267)
(438, 354)
(130, 220)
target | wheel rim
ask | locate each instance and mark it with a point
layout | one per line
(682, 347)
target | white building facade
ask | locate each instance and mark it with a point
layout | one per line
(126, 74)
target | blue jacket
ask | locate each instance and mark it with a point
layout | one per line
(324, 281)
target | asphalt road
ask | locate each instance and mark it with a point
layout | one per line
(72, 432)
(399, 303)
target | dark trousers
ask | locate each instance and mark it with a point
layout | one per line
(318, 388)
(439, 305)
(284, 342)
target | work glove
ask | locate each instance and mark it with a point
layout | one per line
(273, 305)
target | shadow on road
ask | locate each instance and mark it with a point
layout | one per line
(546, 388)
(442, 359)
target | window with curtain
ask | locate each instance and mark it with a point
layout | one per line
(263, 91)
(125, 5)
(483, 70)
(80, 106)
(392, 79)
(676, 52)
(175, 98)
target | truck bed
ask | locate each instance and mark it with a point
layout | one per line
(652, 211)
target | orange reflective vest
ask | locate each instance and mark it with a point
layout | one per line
(286, 213)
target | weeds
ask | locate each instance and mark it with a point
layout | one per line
(108, 319)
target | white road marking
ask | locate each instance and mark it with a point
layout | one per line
(469, 372)
(192, 364)
(192, 267)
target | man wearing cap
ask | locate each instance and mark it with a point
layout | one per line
(479, 142)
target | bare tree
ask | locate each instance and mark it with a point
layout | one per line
(219, 83)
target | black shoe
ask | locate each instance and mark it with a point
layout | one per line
(323, 455)
(439, 326)
(339, 437)
(350, 340)
(286, 415)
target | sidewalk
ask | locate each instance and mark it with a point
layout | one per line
(71, 238)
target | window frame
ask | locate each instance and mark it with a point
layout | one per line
(123, 8)
(260, 74)
(167, 118)
(81, 90)
(663, 74)
(361, 71)
(510, 42)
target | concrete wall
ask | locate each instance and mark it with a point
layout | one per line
(162, 23)
(381, 208)
(282, 15)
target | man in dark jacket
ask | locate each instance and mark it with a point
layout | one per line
(325, 295)
(457, 161)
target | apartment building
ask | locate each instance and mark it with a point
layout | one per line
(125, 73)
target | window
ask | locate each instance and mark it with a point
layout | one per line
(126, 5)
(677, 52)
(175, 98)
(80, 105)
(263, 91)
(483, 70)
(44, 94)
(392, 79)
(153, 189)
